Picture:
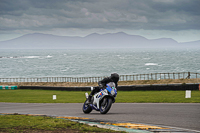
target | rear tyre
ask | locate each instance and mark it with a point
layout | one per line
(86, 107)
(105, 106)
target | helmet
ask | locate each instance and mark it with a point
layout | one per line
(114, 77)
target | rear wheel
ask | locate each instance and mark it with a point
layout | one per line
(86, 107)
(105, 105)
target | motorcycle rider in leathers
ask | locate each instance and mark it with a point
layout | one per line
(102, 84)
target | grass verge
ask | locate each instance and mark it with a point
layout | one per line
(46, 96)
(25, 123)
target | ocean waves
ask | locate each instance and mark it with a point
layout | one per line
(92, 63)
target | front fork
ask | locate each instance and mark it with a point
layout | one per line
(104, 101)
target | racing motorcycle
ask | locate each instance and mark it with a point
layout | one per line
(101, 101)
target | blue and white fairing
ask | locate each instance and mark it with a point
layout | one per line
(110, 90)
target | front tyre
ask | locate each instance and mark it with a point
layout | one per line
(86, 107)
(105, 105)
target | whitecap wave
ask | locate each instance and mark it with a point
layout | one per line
(49, 56)
(151, 64)
(26, 57)
(30, 57)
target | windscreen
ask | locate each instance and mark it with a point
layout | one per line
(111, 84)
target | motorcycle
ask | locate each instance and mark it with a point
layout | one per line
(101, 101)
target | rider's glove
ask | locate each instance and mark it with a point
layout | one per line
(100, 86)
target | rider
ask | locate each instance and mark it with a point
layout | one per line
(113, 78)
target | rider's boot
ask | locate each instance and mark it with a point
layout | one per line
(89, 98)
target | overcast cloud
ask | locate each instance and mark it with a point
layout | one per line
(177, 19)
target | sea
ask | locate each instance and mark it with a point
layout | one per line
(31, 63)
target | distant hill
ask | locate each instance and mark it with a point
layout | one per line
(109, 40)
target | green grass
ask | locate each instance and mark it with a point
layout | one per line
(41, 96)
(24, 123)
(46, 96)
(158, 97)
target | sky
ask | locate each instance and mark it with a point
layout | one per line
(153, 19)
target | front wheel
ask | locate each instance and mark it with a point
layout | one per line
(105, 105)
(86, 107)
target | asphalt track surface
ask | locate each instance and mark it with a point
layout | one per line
(181, 115)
